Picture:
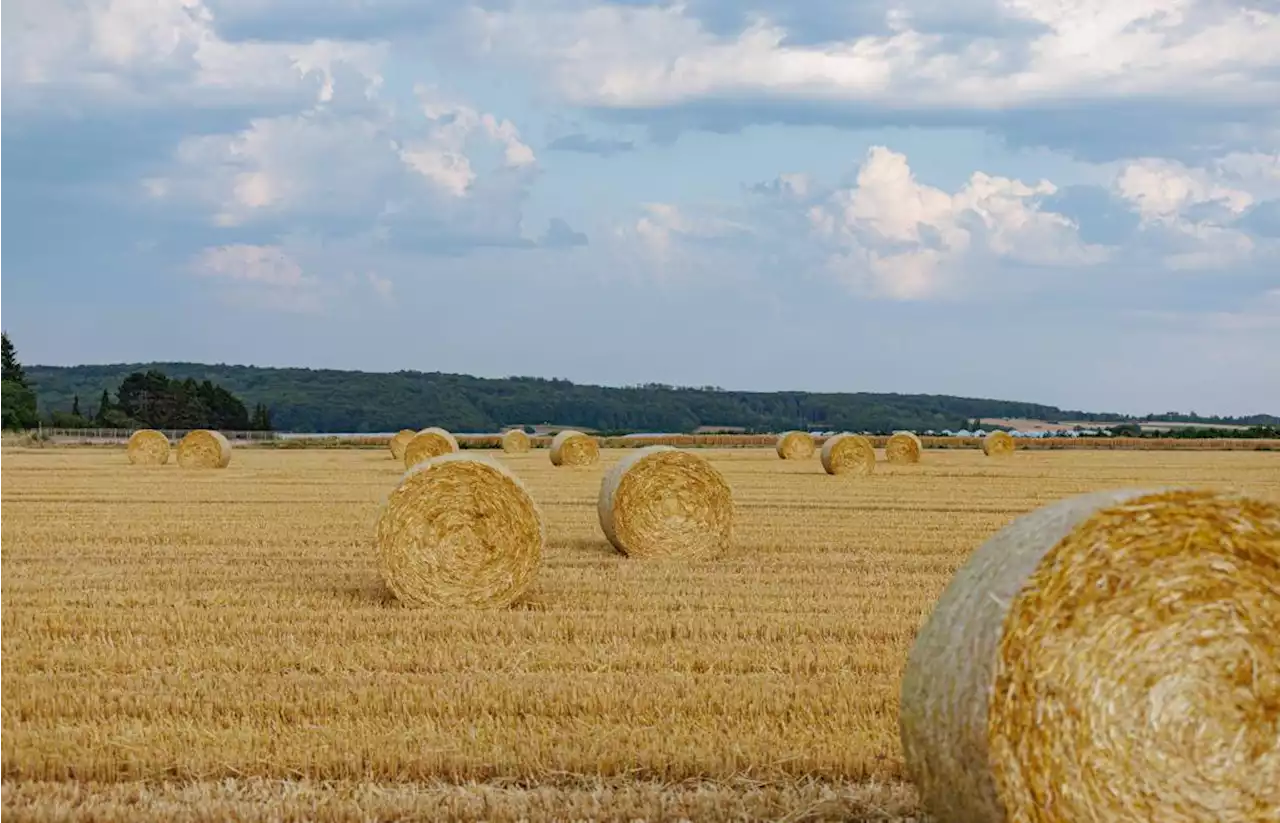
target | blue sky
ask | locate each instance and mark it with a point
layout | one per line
(1075, 202)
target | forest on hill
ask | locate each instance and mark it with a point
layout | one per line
(324, 400)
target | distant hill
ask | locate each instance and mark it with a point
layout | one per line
(326, 400)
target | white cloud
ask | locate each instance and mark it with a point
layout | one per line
(260, 276)
(666, 223)
(382, 286)
(895, 237)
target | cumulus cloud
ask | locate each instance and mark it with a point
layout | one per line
(1026, 63)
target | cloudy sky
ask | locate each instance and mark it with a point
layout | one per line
(1074, 202)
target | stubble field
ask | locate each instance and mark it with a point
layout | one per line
(208, 645)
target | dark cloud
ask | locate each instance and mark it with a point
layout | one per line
(560, 235)
(602, 146)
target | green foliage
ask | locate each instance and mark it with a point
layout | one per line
(12, 369)
(17, 406)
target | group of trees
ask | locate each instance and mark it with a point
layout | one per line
(144, 399)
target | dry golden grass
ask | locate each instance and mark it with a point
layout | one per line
(185, 646)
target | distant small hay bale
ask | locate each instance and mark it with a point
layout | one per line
(204, 449)
(1112, 656)
(428, 443)
(850, 454)
(663, 502)
(998, 444)
(515, 441)
(399, 441)
(148, 447)
(573, 448)
(460, 531)
(903, 448)
(795, 445)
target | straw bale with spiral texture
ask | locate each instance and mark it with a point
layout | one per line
(460, 530)
(204, 449)
(903, 448)
(1113, 656)
(399, 441)
(148, 447)
(663, 502)
(573, 448)
(850, 454)
(998, 444)
(428, 443)
(796, 445)
(515, 441)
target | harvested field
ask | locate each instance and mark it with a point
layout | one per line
(207, 645)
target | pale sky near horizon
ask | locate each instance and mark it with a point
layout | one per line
(1073, 202)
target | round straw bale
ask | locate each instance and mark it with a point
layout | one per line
(204, 449)
(795, 445)
(1112, 656)
(399, 441)
(515, 441)
(428, 443)
(573, 448)
(903, 447)
(663, 502)
(998, 444)
(848, 454)
(460, 531)
(148, 447)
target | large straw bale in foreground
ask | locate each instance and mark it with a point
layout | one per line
(903, 448)
(204, 449)
(662, 502)
(998, 444)
(850, 454)
(1113, 656)
(148, 447)
(428, 443)
(460, 531)
(573, 448)
(795, 445)
(515, 441)
(398, 442)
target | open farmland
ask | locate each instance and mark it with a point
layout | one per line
(191, 645)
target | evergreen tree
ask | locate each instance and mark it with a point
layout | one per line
(75, 405)
(13, 372)
(104, 408)
(17, 399)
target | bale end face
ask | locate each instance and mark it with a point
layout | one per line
(573, 448)
(849, 454)
(460, 531)
(204, 449)
(148, 447)
(662, 502)
(1113, 656)
(515, 441)
(795, 445)
(903, 448)
(398, 442)
(428, 443)
(998, 444)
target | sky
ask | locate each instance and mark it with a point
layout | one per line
(1073, 202)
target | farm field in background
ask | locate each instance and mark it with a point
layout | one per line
(201, 644)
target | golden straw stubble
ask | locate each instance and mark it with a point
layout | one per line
(515, 441)
(903, 448)
(663, 502)
(850, 454)
(1114, 656)
(460, 531)
(398, 442)
(148, 447)
(795, 445)
(204, 449)
(428, 443)
(998, 444)
(573, 448)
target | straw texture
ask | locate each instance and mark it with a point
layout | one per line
(903, 448)
(398, 442)
(460, 531)
(515, 441)
(573, 448)
(795, 445)
(850, 454)
(427, 444)
(148, 447)
(662, 502)
(998, 444)
(1114, 656)
(204, 449)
